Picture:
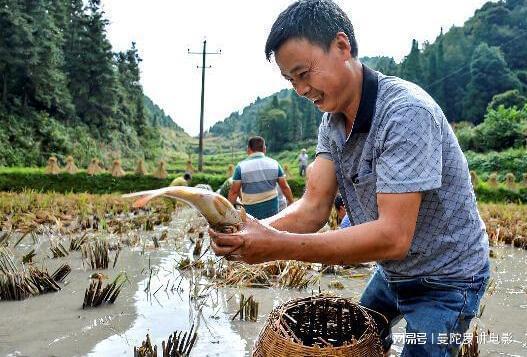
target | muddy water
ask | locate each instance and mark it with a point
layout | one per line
(159, 299)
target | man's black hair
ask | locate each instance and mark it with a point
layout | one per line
(339, 202)
(187, 176)
(317, 21)
(256, 143)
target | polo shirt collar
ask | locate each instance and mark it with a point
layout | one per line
(364, 118)
(257, 154)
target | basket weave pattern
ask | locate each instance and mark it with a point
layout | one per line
(319, 326)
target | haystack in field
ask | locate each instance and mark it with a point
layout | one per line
(474, 178)
(161, 172)
(189, 167)
(117, 170)
(286, 170)
(493, 179)
(510, 181)
(140, 169)
(71, 168)
(230, 170)
(94, 168)
(53, 167)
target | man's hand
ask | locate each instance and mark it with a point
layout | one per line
(254, 243)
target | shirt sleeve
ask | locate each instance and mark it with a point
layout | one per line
(280, 171)
(237, 176)
(323, 144)
(411, 152)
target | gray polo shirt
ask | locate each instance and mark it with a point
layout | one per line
(402, 142)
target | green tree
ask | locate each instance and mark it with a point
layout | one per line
(46, 85)
(490, 75)
(272, 125)
(15, 51)
(411, 68)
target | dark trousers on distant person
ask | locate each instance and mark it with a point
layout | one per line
(303, 170)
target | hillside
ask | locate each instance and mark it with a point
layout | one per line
(284, 119)
(463, 69)
(63, 91)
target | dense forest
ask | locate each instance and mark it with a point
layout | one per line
(64, 91)
(468, 70)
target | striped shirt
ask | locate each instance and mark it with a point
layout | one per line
(258, 175)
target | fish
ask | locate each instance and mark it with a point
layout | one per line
(217, 210)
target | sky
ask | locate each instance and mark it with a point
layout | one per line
(164, 30)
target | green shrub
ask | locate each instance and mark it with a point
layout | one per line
(511, 160)
(502, 129)
(18, 180)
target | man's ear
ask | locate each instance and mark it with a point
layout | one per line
(342, 44)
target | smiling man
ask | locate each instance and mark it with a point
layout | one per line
(387, 147)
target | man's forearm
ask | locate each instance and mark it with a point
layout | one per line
(300, 217)
(232, 197)
(363, 243)
(288, 195)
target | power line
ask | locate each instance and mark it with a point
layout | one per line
(468, 64)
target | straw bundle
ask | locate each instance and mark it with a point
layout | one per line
(18, 283)
(179, 343)
(510, 181)
(474, 178)
(493, 179)
(160, 172)
(53, 167)
(96, 254)
(189, 167)
(146, 349)
(286, 171)
(71, 168)
(58, 250)
(117, 170)
(319, 326)
(96, 295)
(140, 169)
(94, 168)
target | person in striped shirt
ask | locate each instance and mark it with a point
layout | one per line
(255, 179)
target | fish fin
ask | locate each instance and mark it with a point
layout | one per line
(143, 201)
(146, 196)
(141, 193)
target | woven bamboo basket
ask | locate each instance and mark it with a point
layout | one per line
(319, 325)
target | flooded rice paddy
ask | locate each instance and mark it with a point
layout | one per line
(161, 297)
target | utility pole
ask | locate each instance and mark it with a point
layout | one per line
(204, 54)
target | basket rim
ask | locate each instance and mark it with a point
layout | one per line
(275, 317)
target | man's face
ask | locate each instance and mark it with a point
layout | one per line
(320, 76)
